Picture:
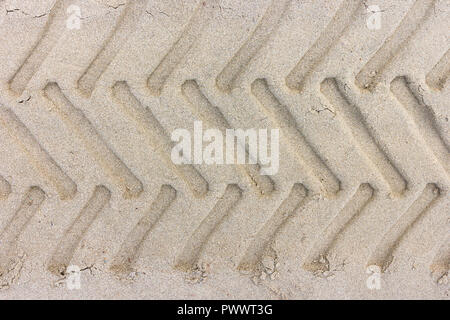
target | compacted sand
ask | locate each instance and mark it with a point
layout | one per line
(91, 91)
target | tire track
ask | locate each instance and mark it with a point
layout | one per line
(49, 38)
(424, 121)
(354, 123)
(65, 250)
(383, 255)
(5, 188)
(316, 260)
(226, 80)
(438, 76)
(307, 157)
(96, 145)
(179, 50)
(211, 114)
(371, 74)
(31, 203)
(157, 137)
(200, 237)
(130, 250)
(164, 81)
(40, 159)
(327, 39)
(254, 253)
(124, 28)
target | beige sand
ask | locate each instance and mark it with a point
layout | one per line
(91, 91)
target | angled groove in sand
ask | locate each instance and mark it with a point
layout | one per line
(371, 74)
(49, 38)
(83, 128)
(31, 202)
(130, 249)
(211, 114)
(424, 121)
(5, 188)
(307, 157)
(441, 261)
(328, 238)
(438, 76)
(122, 31)
(328, 38)
(157, 136)
(197, 241)
(179, 50)
(225, 81)
(383, 255)
(355, 124)
(39, 157)
(63, 254)
(273, 226)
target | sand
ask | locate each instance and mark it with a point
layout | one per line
(91, 91)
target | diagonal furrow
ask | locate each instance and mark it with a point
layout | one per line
(65, 250)
(316, 259)
(180, 49)
(354, 123)
(441, 261)
(438, 76)
(158, 137)
(123, 30)
(129, 251)
(383, 254)
(37, 155)
(49, 38)
(424, 121)
(226, 80)
(288, 208)
(211, 114)
(307, 157)
(327, 39)
(96, 145)
(371, 74)
(31, 203)
(200, 237)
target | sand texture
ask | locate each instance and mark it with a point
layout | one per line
(91, 91)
